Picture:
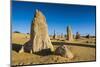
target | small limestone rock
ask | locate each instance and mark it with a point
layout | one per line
(22, 49)
(60, 51)
(21, 63)
(64, 51)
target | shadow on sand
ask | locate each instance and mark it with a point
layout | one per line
(74, 44)
(45, 52)
(18, 47)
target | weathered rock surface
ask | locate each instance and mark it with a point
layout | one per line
(77, 35)
(54, 35)
(64, 51)
(39, 38)
(69, 34)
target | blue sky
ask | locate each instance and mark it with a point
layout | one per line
(58, 17)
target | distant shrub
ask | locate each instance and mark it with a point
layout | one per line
(88, 36)
(28, 33)
(17, 32)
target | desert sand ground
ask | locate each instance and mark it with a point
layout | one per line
(81, 52)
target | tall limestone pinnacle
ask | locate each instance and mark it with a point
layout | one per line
(39, 37)
(69, 33)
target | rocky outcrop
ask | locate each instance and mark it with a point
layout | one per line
(54, 35)
(64, 51)
(69, 34)
(77, 35)
(39, 38)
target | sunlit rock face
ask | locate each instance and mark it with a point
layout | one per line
(64, 51)
(69, 34)
(39, 37)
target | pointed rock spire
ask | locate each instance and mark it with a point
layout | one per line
(39, 33)
(69, 33)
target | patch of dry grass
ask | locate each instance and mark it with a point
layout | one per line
(20, 38)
